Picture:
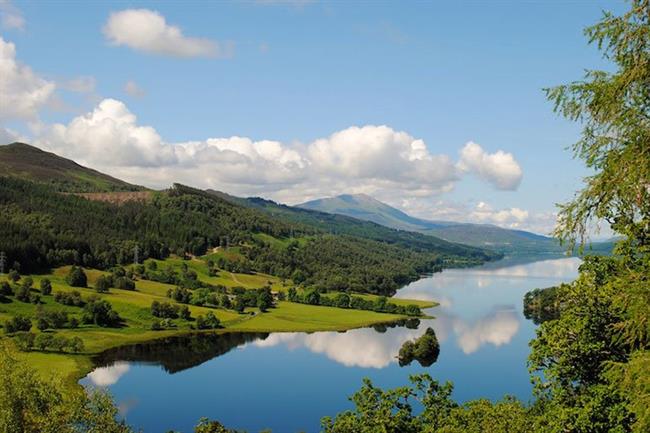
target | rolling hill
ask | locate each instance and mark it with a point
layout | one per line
(31, 163)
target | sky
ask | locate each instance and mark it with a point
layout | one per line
(436, 107)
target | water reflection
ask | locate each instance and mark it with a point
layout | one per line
(106, 376)
(174, 354)
(479, 324)
(368, 348)
(497, 328)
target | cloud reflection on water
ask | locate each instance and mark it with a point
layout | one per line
(107, 376)
(368, 348)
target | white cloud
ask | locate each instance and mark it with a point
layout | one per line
(376, 160)
(500, 168)
(11, 17)
(131, 88)
(379, 153)
(512, 216)
(22, 92)
(109, 133)
(148, 31)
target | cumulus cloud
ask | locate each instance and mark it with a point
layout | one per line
(132, 89)
(383, 154)
(500, 168)
(357, 159)
(148, 31)
(110, 138)
(22, 92)
(11, 18)
(512, 216)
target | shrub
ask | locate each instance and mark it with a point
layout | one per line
(17, 324)
(209, 321)
(5, 289)
(72, 298)
(103, 283)
(100, 312)
(76, 277)
(164, 310)
(46, 287)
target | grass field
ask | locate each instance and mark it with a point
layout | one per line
(134, 307)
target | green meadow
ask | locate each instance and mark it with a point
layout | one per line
(134, 308)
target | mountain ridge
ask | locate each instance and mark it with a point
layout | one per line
(479, 235)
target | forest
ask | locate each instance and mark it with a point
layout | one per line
(41, 228)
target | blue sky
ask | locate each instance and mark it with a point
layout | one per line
(446, 73)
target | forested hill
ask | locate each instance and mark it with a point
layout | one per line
(31, 163)
(43, 226)
(342, 224)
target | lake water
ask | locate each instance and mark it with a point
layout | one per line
(288, 381)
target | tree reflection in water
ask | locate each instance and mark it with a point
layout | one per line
(177, 353)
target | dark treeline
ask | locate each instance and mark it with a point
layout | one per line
(344, 300)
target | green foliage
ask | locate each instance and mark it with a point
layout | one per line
(392, 411)
(46, 287)
(209, 321)
(614, 109)
(103, 283)
(164, 310)
(17, 323)
(76, 277)
(424, 349)
(100, 312)
(29, 404)
(51, 319)
(72, 298)
(541, 305)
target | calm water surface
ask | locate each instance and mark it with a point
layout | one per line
(288, 381)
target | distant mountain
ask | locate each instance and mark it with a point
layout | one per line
(364, 207)
(31, 163)
(352, 226)
(480, 235)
